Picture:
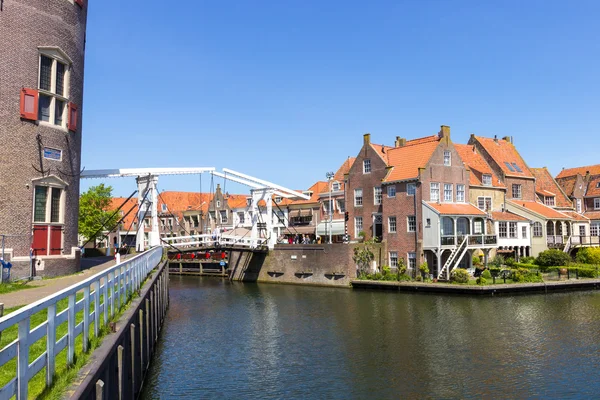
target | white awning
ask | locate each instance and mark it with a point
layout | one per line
(336, 227)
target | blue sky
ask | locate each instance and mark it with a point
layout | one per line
(284, 90)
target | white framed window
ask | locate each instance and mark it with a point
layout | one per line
(391, 191)
(328, 207)
(241, 217)
(512, 230)
(392, 224)
(460, 193)
(411, 223)
(412, 260)
(53, 84)
(248, 201)
(212, 215)
(524, 232)
(411, 189)
(223, 216)
(366, 166)
(358, 197)
(393, 259)
(163, 207)
(335, 187)
(447, 158)
(448, 192)
(377, 195)
(278, 199)
(358, 226)
(537, 229)
(341, 205)
(486, 179)
(549, 201)
(484, 203)
(578, 205)
(48, 216)
(428, 223)
(478, 227)
(502, 229)
(597, 203)
(516, 191)
(218, 203)
(595, 229)
(434, 191)
(48, 205)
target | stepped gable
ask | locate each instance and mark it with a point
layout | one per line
(503, 152)
(569, 172)
(477, 165)
(547, 186)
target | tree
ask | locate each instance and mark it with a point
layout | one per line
(94, 212)
(363, 255)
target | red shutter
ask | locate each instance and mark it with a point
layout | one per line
(29, 104)
(73, 114)
(40, 240)
(80, 2)
(55, 240)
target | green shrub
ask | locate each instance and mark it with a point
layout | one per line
(552, 258)
(588, 255)
(419, 278)
(498, 261)
(481, 280)
(424, 268)
(486, 274)
(509, 261)
(476, 260)
(587, 272)
(495, 272)
(523, 275)
(527, 260)
(460, 275)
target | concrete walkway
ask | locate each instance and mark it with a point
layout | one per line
(45, 287)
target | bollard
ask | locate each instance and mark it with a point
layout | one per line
(99, 390)
(120, 370)
(132, 347)
(117, 259)
(1, 314)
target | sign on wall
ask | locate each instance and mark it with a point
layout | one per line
(52, 154)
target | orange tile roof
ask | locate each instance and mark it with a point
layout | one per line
(576, 216)
(382, 151)
(507, 216)
(502, 151)
(339, 175)
(593, 190)
(592, 214)
(315, 189)
(456, 209)
(546, 185)
(406, 160)
(567, 184)
(477, 165)
(131, 204)
(426, 139)
(237, 201)
(593, 169)
(540, 209)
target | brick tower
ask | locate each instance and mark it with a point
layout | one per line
(41, 96)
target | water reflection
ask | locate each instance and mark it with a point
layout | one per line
(231, 340)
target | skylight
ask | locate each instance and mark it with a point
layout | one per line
(510, 168)
(517, 167)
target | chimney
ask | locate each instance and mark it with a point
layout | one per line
(496, 138)
(444, 131)
(507, 139)
(367, 138)
(400, 142)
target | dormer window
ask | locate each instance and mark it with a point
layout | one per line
(447, 158)
(335, 186)
(164, 207)
(248, 201)
(487, 180)
(598, 184)
(278, 199)
(308, 193)
(549, 201)
(366, 166)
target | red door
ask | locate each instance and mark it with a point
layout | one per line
(40, 240)
(55, 240)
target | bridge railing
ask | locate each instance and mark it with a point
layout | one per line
(114, 284)
(211, 240)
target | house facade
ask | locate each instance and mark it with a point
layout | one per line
(333, 205)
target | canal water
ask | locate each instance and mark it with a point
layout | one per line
(262, 341)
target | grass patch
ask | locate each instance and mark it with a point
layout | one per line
(13, 287)
(64, 374)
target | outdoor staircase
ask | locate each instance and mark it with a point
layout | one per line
(567, 247)
(457, 254)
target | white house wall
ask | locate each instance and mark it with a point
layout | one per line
(431, 234)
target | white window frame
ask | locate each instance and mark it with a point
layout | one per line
(328, 206)
(411, 223)
(412, 260)
(391, 191)
(278, 199)
(163, 207)
(392, 225)
(538, 230)
(377, 195)
(222, 219)
(358, 226)
(434, 191)
(448, 192)
(241, 217)
(595, 228)
(486, 180)
(335, 186)
(56, 56)
(447, 158)
(393, 259)
(460, 189)
(503, 230)
(358, 197)
(366, 166)
(513, 231)
(597, 203)
(549, 201)
(523, 232)
(517, 192)
(341, 205)
(578, 205)
(485, 203)
(411, 189)
(478, 227)
(218, 203)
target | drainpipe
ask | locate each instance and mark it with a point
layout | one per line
(416, 234)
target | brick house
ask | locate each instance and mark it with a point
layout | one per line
(304, 215)
(582, 186)
(41, 82)
(333, 212)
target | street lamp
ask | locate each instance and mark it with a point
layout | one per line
(329, 176)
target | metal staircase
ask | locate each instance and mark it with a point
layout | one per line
(457, 254)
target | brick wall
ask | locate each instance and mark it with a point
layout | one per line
(25, 25)
(527, 188)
